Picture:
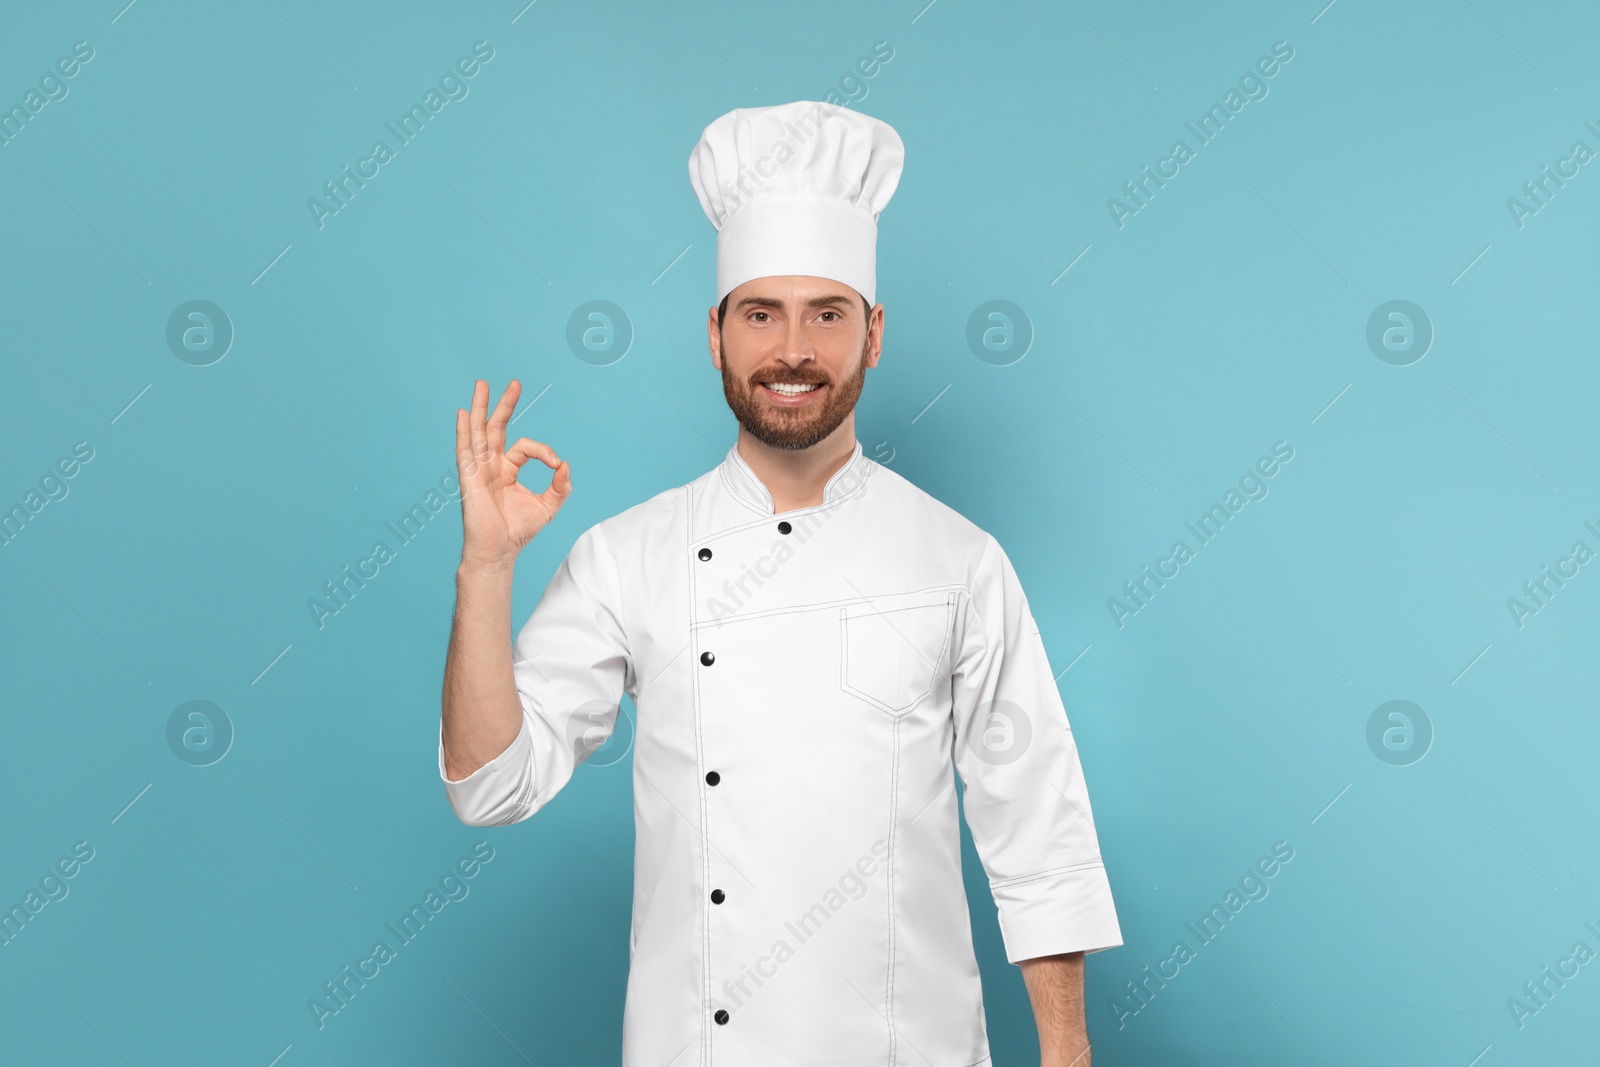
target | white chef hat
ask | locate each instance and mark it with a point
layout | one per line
(796, 189)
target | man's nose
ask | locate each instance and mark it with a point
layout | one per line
(797, 347)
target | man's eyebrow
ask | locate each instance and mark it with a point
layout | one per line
(814, 302)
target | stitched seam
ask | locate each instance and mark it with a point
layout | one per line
(971, 599)
(819, 605)
(894, 611)
(733, 491)
(844, 651)
(1086, 865)
(927, 591)
(944, 649)
(689, 492)
(705, 845)
(894, 791)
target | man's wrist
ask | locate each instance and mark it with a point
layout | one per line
(1073, 1051)
(480, 571)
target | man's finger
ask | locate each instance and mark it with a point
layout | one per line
(468, 466)
(560, 487)
(502, 415)
(463, 444)
(526, 448)
(480, 407)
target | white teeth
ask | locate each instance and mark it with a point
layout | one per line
(791, 389)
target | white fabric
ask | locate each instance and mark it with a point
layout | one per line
(796, 189)
(851, 658)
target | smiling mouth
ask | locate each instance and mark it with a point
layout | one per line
(792, 388)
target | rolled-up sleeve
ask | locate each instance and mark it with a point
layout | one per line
(571, 664)
(1025, 798)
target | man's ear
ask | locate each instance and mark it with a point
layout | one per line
(874, 346)
(714, 339)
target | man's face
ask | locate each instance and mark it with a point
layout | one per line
(810, 338)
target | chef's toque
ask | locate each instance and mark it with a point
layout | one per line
(796, 189)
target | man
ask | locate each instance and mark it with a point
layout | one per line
(811, 642)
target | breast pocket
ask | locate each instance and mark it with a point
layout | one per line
(891, 648)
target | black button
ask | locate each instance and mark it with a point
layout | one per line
(721, 1016)
(706, 658)
(784, 527)
(712, 778)
(705, 553)
(718, 896)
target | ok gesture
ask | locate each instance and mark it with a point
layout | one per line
(499, 515)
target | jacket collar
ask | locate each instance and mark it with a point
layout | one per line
(745, 484)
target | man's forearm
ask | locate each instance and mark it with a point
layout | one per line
(1055, 987)
(481, 711)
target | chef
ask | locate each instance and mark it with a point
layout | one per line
(811, 643)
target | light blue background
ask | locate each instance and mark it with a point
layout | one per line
(1230, 713)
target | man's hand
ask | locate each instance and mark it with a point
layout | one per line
(498, 514)
(1055, 987)
(481, 712)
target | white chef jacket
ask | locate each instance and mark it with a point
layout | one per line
(804, 682)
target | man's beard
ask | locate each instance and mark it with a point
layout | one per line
(793, 429)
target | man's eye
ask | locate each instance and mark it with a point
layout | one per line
(833, 313)
(759, 314)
